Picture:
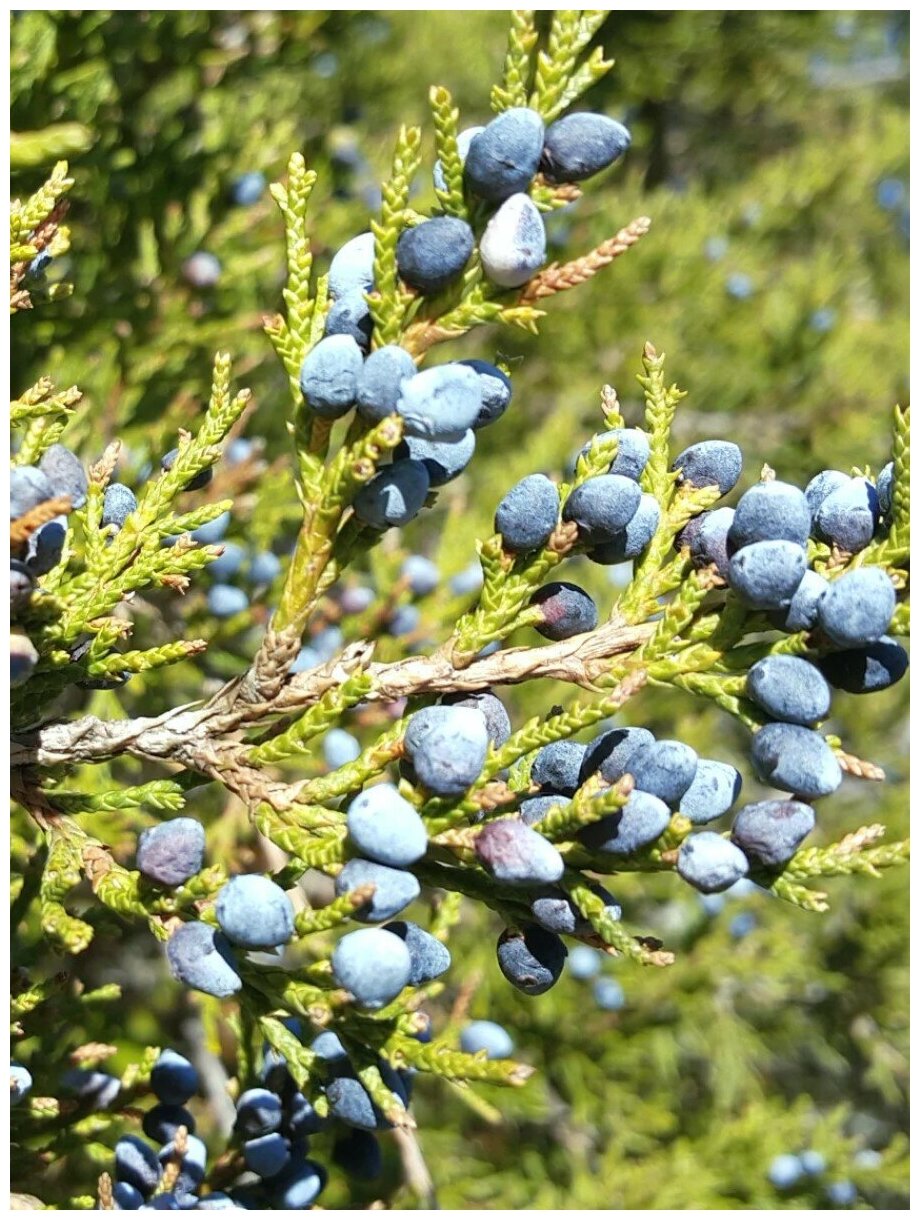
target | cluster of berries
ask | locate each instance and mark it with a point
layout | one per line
(59, 476)
(789, 1170)
(443, 407)
(271, 1135)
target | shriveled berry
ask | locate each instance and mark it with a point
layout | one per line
(394, 888)
(789, 688)
(710, 464)
(531, 959)
(581, 145)
(171, 852)
(857, 608)
(770, 512)
(329, 376)
(430, 255)
(528, 514)
(765, 575)
(503, 158)
(714, 790)
(565, 609)
(557, 766)
(795, 759)
(386, 828)
(643, 819)
(770, 832)
(380, 381)
(517, 855)
(394, 495)
(255, 912)
(710, 863)
(602, 506)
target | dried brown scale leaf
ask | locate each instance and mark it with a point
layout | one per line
(92, 1052)
(106, 1200)
(25, 526)
(559, 278)
(173, 1166)
(420, 336)
(97, 862)
(563, 538)
(858, 767)
(494, 795)
(859, 839)
(562, 192)
(100, 472)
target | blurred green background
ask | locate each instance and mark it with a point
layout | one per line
(771, 151)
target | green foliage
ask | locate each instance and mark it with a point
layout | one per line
(792, 1035)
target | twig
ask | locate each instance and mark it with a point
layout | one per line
(418, 1178)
